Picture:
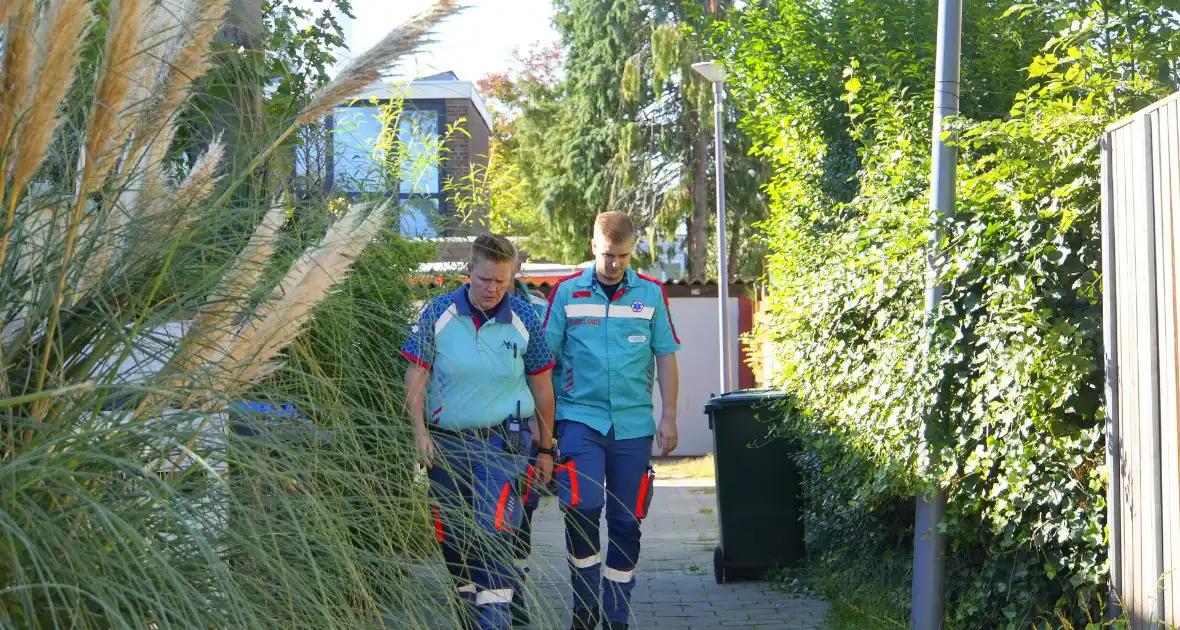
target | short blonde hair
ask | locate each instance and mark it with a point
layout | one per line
(494, 248)
(615, 227)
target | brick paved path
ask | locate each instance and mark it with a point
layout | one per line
(675, 589)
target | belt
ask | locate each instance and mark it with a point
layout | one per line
(482, 433)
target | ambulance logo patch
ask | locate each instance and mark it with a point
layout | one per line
(636, 306)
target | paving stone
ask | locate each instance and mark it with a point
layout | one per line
(674, 588)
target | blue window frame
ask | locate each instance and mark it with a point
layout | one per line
(359, 163)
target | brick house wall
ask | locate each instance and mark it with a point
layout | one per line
(464, 152)
(459, 106)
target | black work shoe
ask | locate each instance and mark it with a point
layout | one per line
(585, 619)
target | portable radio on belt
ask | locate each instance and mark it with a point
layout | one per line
(514, 436)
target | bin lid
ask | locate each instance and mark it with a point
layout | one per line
(282, 422)
(746, 398)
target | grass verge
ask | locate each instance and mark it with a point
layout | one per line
(859, 597)
(683, 467)
(862, 597)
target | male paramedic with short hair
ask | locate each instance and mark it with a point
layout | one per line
(613, 335)
(479, 369)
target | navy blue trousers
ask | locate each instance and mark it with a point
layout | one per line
(600, 471)
(477, 509)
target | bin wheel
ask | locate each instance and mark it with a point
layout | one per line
(719, 565)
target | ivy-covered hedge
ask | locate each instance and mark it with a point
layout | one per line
(842, 95)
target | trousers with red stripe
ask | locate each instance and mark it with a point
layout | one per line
(532, 499)
(599, 471)
(473, 484)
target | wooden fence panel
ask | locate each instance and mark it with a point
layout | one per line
(1121, 227)
(1167, 184)
(1141, 238)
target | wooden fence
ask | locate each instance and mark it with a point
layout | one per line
(1141, 299)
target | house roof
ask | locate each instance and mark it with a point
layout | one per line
(449, 268)
(441, 76)
(452, 249)
(443, 85)
(543, 277)
(676, 288)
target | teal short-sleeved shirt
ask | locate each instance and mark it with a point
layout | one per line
(477, 371)
(606, 350)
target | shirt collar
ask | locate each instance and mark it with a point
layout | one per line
(589, 278)
(503, 314)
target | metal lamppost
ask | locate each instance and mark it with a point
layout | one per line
(714, 73)
(929, 540)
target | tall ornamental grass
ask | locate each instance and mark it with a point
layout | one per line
(136, 314)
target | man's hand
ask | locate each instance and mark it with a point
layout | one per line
(425, 448)
(668, 374)
(667, 437)
(544, 468)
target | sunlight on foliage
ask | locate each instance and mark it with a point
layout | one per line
(841, 103)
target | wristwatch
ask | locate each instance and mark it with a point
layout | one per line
(545, 450)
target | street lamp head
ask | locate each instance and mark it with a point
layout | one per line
(713, 71)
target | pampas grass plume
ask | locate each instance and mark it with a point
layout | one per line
(108, 126)
(260, 343)
(66, 20)
(16, 67)
(367, 68)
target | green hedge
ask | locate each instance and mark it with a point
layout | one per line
(842, 99)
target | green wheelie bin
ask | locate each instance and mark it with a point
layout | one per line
(759, 491)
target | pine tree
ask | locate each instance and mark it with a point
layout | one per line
(629, 127)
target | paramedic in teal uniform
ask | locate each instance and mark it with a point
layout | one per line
(613, 336)
(478, 374)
